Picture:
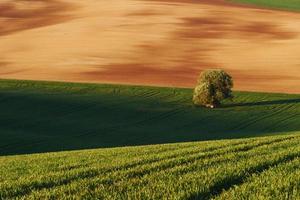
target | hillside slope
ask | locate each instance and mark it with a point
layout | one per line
(151, 42)
(257, 168)
(46, 116)
(291, 5)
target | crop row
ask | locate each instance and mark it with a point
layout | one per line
(201, 170)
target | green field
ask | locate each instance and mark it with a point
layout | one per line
(254, 168)
(293, 5)
(190, 152)
(45, 116)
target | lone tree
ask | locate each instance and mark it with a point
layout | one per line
(213, 86)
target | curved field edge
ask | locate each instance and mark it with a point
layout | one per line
(49, 116)
(290, 5)
(198, 170)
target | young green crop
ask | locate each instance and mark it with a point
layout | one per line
(293, 5)
(47, 116)
(199, 170)
(280, 182)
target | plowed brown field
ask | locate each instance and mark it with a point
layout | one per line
(149, 42)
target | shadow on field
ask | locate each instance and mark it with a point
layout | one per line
(40, 117)
(264, 103)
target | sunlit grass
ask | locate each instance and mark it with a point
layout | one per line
(293, 5)
(229, 169)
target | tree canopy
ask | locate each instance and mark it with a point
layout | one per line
(213, 86)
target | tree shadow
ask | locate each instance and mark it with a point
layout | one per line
(263, 103)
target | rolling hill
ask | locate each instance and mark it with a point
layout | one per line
(256, 168)
(151, 42)
(105, 141)
(48, 116)
(291, 5)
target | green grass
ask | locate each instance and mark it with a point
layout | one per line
(293, 5)
(46, 116)
(254, 168)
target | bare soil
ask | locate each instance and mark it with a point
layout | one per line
(151, 42)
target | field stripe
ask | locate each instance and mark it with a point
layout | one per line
(94, 173)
